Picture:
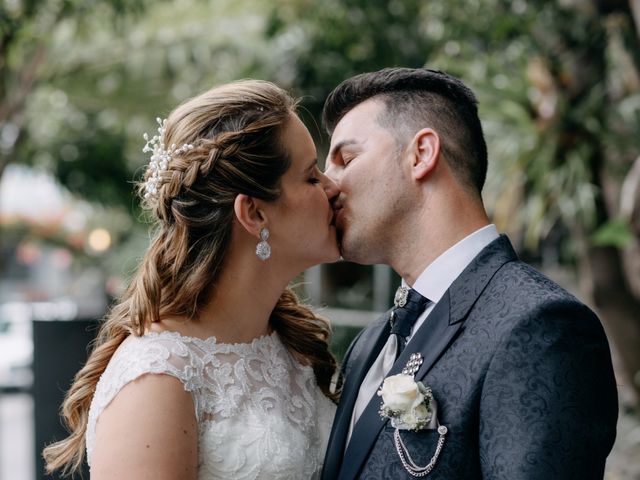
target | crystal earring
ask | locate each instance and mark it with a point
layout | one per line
(263, 249)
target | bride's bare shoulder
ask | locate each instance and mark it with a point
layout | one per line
(149, 430)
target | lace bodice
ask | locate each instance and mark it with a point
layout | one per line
(260, 413)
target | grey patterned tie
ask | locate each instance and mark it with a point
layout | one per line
(409, 304)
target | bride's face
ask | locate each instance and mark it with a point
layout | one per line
(301, 223)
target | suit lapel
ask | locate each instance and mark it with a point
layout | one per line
(431, 340)
(363, 355)
(461, 296)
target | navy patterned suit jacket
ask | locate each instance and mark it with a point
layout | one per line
(522, 374)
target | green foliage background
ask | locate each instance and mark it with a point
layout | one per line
(550, 77)
(558, 84)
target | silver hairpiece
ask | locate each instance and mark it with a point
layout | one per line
(160, 158)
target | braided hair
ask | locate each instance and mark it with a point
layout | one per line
(236, 132)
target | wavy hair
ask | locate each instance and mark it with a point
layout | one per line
(236, 133)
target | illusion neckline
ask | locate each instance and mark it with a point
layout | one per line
(209, 342)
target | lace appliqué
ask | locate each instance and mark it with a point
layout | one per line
(260, 413)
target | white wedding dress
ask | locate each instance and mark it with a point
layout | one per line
(260, 413)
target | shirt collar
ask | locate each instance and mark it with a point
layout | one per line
(436, 279)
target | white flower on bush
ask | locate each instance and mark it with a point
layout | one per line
(406, 402)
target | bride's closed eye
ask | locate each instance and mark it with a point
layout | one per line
(314, 179)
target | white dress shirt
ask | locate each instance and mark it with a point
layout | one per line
(432, 283)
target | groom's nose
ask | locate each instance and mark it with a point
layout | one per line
(330, 187)
(331, 171)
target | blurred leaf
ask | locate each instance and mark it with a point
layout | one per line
(94, 167)
(556, 82)
(615, 233)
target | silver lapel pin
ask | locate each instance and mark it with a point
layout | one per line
(413, 365)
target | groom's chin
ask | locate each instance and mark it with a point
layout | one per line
(354, 254)
(348, 251)
(345, 254)
(341, 248)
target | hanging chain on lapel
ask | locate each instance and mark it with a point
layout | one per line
(408, 463)
(411, 368)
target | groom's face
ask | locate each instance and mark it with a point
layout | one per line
(365, 162)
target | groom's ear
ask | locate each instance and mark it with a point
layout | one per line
(425, 153)
(249, 214)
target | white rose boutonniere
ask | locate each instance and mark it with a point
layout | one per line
(406, 402)
(410, 406)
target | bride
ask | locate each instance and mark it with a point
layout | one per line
(209, 367)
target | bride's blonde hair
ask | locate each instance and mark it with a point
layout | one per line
(236, 133)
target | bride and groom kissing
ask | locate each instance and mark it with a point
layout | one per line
(209, 366)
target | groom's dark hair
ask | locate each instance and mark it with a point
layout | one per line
(418, 98)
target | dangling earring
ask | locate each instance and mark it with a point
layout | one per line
(263, 249)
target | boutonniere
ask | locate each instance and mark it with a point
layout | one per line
(410, 406)
(406, 402)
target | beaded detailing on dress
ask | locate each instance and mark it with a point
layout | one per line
(260, 413)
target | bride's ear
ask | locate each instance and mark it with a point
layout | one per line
(249, 214)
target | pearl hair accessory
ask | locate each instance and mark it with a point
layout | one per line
(160, 158)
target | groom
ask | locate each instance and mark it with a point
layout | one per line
(520, 371)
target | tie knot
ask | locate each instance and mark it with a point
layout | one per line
(409, 304)
(409, 298)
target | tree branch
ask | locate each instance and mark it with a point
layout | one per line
(635, 12)
(27, 79)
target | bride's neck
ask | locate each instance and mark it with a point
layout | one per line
(241, 301)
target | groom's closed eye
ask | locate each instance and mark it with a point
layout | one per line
(340, 150)
(345, 157)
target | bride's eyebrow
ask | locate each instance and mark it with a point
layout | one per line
(313, 164)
